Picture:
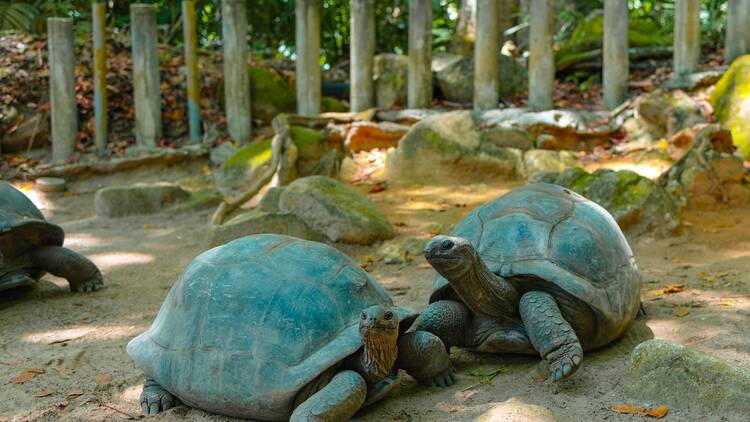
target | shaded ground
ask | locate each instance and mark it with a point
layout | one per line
(74, 338)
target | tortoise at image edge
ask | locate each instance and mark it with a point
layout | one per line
(271, 327)
(31, 246)
(540, 270)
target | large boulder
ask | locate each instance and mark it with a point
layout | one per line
(256, 222)
(234, 174)
(456, 77)
(663, 114)
(541, 161)
(639, 205)
(336, 210)
(709, 174)
(140, 198)
(390, 74)
(665, 372)
(319, 151)
(731, 102)
(448, 148)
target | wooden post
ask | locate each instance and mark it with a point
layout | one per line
(236, 76)
(190, 31)
(419, 90)
(362, 53)
(615, 70)
(146, 92)
(487, 55)
(738, 29)
(62, 81)
(508, 14)
(541, 59)
(687, 37)
(99, 34)
(307, 31)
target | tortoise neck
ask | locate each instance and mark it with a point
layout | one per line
(483, 291)
(379, 353)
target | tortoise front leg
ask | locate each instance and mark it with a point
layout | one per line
(155, 398)
(81, 273)
(551, 335)
(424, 356)
(339, 400)
(447, 319)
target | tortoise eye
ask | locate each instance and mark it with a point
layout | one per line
(446, 245)
(364, 315)
(388, 315)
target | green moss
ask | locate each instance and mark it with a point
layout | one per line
(256, 154)
(330, 104)
(270, 93)
(731, 102)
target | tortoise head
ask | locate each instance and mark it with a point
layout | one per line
(378, 326)
(450, 256)
(378, 319)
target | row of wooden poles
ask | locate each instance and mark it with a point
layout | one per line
(147, 98)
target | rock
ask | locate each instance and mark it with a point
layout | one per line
(682, 378)
(693, 81)
(455, 77)
(667, 113)
(390, 74)
(515, 410)
(731, 102)
(541, 161)
(365, 136)
(256, 222)
(51, 184)
(546, 141)
(448, 148)
(639, 205)
(199, 200)
(222, 152)
(32, 132)
(336, 210)
(140, 198)
(271, 93)
(508, 137)
(319, 152)
(332, 105)
(571, 129)
(709, 174)
(236, 172)
(270, 200)
(408, 116)
(399, 251)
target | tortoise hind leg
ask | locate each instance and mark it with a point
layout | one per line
(551, 335)
(339, 400)
(81, 273)
(155, 398)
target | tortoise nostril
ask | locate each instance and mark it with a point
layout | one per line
(446, 245)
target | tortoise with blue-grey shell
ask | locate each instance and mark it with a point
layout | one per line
(272, 327)
(540, 270)
(31, 246)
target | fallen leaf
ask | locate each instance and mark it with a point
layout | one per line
(678, 260)
(377, 188)
(34, 370)
(103, 378)
(23, 377)
(43, 393)
(207, 170)
(424, 266)
(74, 394)
(669, 289)
(628, 409)
(682, 313)
(657, 412)
(663, 144)
(726, 303)
(483, 374)
(58, 341)
(148, 226)
(539, 378)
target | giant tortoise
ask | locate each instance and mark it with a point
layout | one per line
(31, 246)
(271, 327)
(540, 270)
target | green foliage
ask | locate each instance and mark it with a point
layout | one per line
(17, 15)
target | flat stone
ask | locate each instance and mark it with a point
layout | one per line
(365, 136)
(140, 198)
(683, 378)
(336, 210)
(51, 184)
(256, 222)
(541, 161)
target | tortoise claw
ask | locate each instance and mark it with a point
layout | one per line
(565, 361)
(87, 286)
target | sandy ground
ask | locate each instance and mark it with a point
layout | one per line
(76, 342)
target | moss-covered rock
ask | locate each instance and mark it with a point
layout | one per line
(338, 211)
(541, 161)
(668, 373)
(664, 114)
(639, 205)
(390, 74)
(456, 78)
(332, 105)
(256, 222)
(448, 148)
(137, 199)
(731, 102)
(318, 151)
(271, 93)
(236, 171)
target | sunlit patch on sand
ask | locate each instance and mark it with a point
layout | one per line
(38, 198)
(86, 333)
(82, 241)
(515, 410)
(651, 169)
(118, 259)
(131, 394)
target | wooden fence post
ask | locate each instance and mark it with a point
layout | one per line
(541, 58)
(616, 63)
(307, 31)
(362, 53)
(99, 34)
(62, 80)
(419, 90)
(146, 90)
(236, 75)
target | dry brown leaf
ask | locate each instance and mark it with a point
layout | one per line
(65, 340)
(23, 377)
(628, 409)
(678, 260)
(34, 370)
(103, 378)
(726, 303)
(43, 393)
(424, 266)
(539, 378)
(74, 394)
(657, 412)
(682, 313)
